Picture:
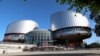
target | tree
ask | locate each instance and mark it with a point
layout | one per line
(88, 5)
(95, 45)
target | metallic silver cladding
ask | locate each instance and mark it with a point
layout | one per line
(65, 19)
(21, 26)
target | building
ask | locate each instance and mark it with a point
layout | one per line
(16, 31)
(40, 37)
(70, 28)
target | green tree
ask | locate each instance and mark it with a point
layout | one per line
(89, 5)
(95, 45)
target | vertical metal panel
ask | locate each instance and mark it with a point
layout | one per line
(21, 26)
(64, 19)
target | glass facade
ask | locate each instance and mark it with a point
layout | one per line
(14, 37)
(72, 31)
(38, 37)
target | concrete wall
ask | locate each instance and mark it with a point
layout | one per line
(11, 48)
(5, 51)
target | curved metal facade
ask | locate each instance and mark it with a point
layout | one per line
(65, 19)
(38, 36)
(70, 26)
(21, 26)
(16, 31)
(73, 33)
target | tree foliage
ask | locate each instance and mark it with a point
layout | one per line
(88, 5)
(94, 45)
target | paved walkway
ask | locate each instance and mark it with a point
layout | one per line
(57, 53)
